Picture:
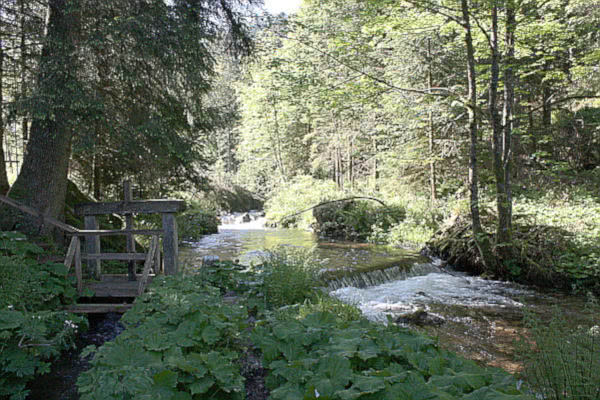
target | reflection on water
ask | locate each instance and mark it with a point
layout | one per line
(247, 242)
(480, 318)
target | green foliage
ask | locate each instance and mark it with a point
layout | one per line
(31, 331)
(300, 194)
(180, 341)
(355, 220)
(560, 356)
(30, 339)
(26, 284)
(196, 222)
(183, 339)
(199, 219)
(289, 276)
(320, 356)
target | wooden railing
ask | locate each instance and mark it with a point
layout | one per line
(92, 234)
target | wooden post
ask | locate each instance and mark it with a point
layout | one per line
(170, 244)
(71, 252)
(129, 225)
(150, 259)
(78, 272)
(157, 265)
(92, 246)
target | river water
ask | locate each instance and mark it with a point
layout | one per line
(477, 318)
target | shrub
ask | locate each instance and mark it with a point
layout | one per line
(288, 276)
(300, 194)
(319, 356)
(197, 220)
(195, 223)
(355, 220)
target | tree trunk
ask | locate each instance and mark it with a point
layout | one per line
(22, 45)
(4, 186)
(509, 107)
(42, 182)
(503, 236)
(432, 174)
(478, 234)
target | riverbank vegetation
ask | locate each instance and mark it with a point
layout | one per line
(475, 122)
(229, 333)
(33, 329)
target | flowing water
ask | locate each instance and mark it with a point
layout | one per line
(472, 316)
(59, 384)
(478, 318)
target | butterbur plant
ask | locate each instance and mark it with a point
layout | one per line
(181, 342)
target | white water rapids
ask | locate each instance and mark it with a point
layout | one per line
(407, 295)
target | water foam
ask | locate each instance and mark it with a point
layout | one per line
(402, 296)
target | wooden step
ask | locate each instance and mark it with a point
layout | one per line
(114, 286)
(98, 308)
(114, 256)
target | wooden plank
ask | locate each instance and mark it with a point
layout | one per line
(170, 244)
(121, 277)
(36, 213)
(157, 267)
(115, 256)
(71, 252)
(78, 272)
(130, 242)
(147, 264)
(135, 206)
(113, 288)
(98, 308)
(110, 232)
(92, 246)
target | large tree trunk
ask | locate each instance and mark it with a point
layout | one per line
(3, 176)
(42, 182)
(478, 234)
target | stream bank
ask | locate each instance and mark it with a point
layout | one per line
(480, 318)
(59, 383)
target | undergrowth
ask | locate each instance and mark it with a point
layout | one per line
(32, 332)
(560, 357)
(187, 337)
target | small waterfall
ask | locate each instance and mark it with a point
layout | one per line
(363, 279)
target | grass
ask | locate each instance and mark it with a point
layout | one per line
(561, 359)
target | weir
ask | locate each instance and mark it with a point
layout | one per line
(362, 279)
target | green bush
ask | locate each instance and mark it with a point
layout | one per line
(195, 223)
(355, 220)
(197, 220)
(560, 358)
(32, 332)
(288, 276)
(300, 194)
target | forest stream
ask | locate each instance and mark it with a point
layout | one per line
(477, 318)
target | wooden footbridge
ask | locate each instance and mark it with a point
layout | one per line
(116, 289)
